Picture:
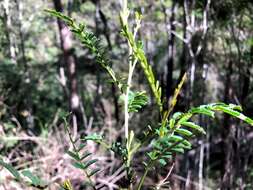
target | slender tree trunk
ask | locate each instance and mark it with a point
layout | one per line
(183, 57)
(202, 120)
(227, 136)
(242, 163)
(19, 7)
(171, 52)
(7, 23)
(70, 65)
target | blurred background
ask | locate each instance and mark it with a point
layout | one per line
(45, 71)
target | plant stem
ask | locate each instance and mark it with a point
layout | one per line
(129, 81)
(150, 165)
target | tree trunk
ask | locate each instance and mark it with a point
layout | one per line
(19, 7)
(183, 57)
(70, 65)
(227, 136)
(7, 24)
(171, 52)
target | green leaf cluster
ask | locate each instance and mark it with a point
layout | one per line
(136, 101)
(174, 137)
(139, 54)
(82, 159)
(33, 180)
(90, 41)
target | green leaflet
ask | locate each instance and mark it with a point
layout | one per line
(81, 146)
(187, 143)
(93, 137)
(177, 115)
(78, 165)
(11, 169)
(90, 162)
(162, 162)
(35, 180)
(180, 140)
(202, 110)
(193, 126)
(93, 172)
(175, 138)
(235, 107)
(84, 165)
(72, 154)
(85, 155)
(184, 118)
(184, 132)
(172, 123)
(152, 155)
(177, 150)
(183, 145)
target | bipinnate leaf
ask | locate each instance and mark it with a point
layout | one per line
(89, 40)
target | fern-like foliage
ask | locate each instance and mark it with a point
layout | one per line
(136, 101)
(25, 177)
(82, 161)
(89, 40)
(174, 138)
(81, 158)
(139, 54)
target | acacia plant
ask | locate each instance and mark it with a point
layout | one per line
(173, 131)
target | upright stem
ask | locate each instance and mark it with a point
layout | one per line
(150, 164)
(129, 81)
(126, 110)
